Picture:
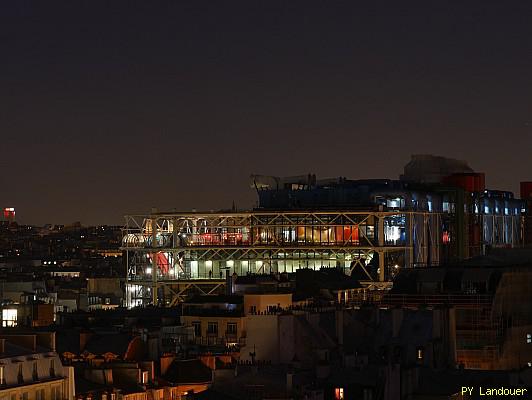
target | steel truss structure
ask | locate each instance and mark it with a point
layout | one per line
(169, 254)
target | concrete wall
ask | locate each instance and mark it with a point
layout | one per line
(104, 285)
(42, 363)
(287, 339)
(262, 338)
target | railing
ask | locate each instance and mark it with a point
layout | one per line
(220, 341)
(231, 337)
(299, 236)
(406, 300)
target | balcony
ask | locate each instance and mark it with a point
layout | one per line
(231, 337)
(229, 340)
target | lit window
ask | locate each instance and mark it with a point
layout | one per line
(529, 338)
(393, 203)
(9, 318)
(144, 377)
(420, 353)
(2, 377)
(392, 233)
(339, 394)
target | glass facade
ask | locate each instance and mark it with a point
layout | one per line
(205, 247)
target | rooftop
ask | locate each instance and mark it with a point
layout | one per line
(188, 372)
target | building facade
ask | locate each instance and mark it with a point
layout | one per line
(370, 228)
(31, 370)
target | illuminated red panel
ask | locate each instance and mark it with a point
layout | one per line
(472, 182)
(9, 213)
(347, 234)
(526, 190)
(162, 263)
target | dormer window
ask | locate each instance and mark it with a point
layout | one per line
(144, 378)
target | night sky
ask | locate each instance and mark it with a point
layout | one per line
(108, 108)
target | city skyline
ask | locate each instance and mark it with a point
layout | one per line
(265, 200)
(115, 109)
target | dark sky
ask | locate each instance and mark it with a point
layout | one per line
(115, 107)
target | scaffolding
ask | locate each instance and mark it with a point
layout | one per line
(163, 251)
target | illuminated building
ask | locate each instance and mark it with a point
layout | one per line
(9, 214)
(369, 228)
(31, 369)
